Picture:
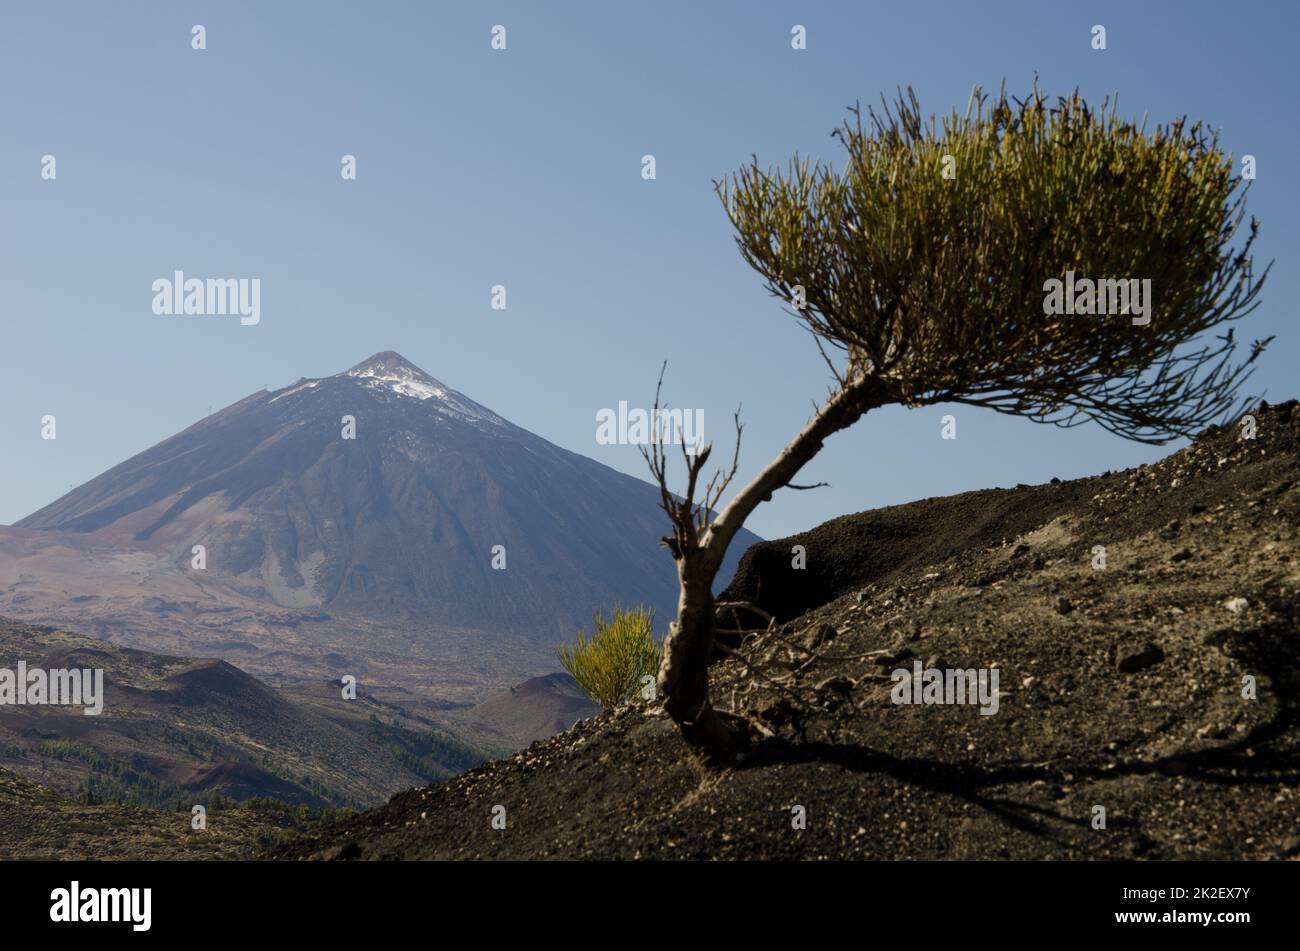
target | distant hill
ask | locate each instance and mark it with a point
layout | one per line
(535, 710)
(177, 728)
(1124, 682)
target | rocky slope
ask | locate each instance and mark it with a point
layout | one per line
(1159, 683)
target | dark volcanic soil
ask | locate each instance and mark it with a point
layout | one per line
(1121, 687)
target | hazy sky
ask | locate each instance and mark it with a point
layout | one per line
(523, 168)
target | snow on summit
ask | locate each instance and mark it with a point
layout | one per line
(403, 380)
(390, 372)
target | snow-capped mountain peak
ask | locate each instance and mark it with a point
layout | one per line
(390, 373)
(394, 372)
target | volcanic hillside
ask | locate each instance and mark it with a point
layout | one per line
(1143, 625)
(176, 728)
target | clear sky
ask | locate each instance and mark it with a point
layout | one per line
(522, 167)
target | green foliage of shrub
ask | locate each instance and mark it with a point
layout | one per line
(925, 258)
(609, 666)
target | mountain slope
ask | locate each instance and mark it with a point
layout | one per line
(401, 519)
(380, 551)
(1162, 685)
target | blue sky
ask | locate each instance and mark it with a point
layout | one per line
(522, 168)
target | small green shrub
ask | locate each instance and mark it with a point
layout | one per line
(621, 651)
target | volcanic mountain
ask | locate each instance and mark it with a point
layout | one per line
(378, 508)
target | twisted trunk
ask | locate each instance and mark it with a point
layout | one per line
(684, 672)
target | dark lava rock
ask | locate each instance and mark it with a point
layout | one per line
(1132, 661)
